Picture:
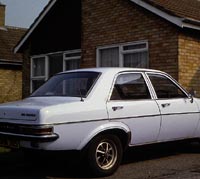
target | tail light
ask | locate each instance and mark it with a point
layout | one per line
(36, 130)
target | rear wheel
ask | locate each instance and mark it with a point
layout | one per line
(105, 154)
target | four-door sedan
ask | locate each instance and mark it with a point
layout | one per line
(101, 111)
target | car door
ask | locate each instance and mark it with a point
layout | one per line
(131, 103)
(180, 114)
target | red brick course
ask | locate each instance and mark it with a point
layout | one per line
(120, 21)
(10, 85)
(189, 62)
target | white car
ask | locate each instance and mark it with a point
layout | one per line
(101, 111)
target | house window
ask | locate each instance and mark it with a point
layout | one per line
(55, 64)
(45, 66)
(38, 71)
(72, 60)
(108, 57)
(124, 55)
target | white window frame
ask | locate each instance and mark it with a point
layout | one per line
(46, 58)
(122, 51)
(45, 77)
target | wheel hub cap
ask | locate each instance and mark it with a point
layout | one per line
(106, 155)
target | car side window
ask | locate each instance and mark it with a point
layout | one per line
(165, 88)
(129, 87)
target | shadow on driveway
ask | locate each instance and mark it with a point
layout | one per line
(57, 166)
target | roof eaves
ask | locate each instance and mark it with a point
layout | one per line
(191, 23)
(34, 25)
(6, 62)
(169, 15)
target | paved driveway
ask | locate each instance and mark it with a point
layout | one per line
(166, 161)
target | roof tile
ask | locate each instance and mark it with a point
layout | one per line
(181, 8)
(9, 36)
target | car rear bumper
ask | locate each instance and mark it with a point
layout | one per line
(38, 138)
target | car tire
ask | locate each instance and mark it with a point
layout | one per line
(105, 154)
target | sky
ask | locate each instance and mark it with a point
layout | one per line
(22, 13)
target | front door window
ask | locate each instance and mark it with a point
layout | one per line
(165, 88)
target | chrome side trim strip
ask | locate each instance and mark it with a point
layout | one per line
(124, 118)
(111, 119)
(145, 116)
(188, 113)
(18, 119)
(76, 122)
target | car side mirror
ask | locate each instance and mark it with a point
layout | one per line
(192, 93)
(190, 96)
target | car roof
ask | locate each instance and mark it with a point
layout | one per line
(113, 70)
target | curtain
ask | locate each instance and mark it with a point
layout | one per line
(72, 64)
(109, 57)
(136, 60)
(39, 67)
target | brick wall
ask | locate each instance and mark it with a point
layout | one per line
(10, 85)
(120, 21)
(26, 71)
(189, 62)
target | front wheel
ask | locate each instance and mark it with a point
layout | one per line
(105, 155)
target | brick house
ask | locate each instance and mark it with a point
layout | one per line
(155, 34)
(10, 63)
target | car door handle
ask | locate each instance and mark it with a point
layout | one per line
(115, 108)
(165, 105)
